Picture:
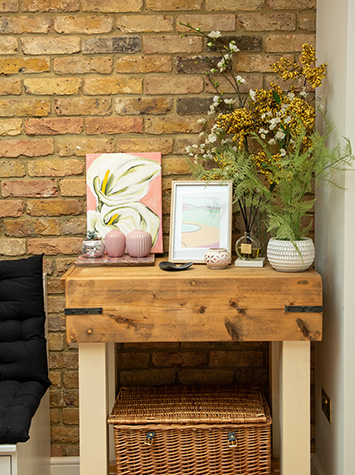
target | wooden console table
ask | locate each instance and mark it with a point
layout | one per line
(105, 305)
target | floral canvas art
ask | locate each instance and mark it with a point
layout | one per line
(124, 193)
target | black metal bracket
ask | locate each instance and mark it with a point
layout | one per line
(83, 311)
(304, 308)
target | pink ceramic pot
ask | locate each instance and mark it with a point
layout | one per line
(139, 243)
(115, 243)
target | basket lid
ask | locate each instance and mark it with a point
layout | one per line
(189, 404)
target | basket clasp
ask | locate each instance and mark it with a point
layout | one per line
(232, 439)
(149, 438)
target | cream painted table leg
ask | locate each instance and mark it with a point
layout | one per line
(93, 407)
(295, 408)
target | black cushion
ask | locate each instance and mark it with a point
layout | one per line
(18, 403)
(23, 355)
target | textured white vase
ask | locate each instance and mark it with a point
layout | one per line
(284, 257)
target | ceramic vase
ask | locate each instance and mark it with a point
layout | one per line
(115, 243)
(217, 258)
(284, 256)
(92, 248)
(138, 243)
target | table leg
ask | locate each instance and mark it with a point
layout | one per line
(275, 396)
(295, 401)
(93, 408)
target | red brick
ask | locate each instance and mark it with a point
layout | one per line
(56, 167)
(266, 21)
(25, 24)
(171, 44)
(54, 207)
(112, 44)
(81, 106)
(148, 144)
(89, 24)
(32, 227)
(24, 107)
(234, 5)
(13, 208)
(29, 188)
(10, 87)
(236, 358)
(28, 148)
(275, 43)
(56, 303)
(257, 62)
(112, 6)
(73, 187)
(173, 85)
(252, 82)
(82, 65)
(12, 247)
(205, 376)
(9, 6)
(12, 168)
(55, 246)
(147, 377)
(113, 125)
(65, 435)
(52, 86)
(172, 125)
(55, 341)
(144, 64)
(10, 65)
(50, 6)
(79, 147)
(8, 45)
(113, 85)
(133, 360)
(50, 45)
(70, 414)
(64, 360)
(294, 5)
(208, 22)
(179, 358)
(74, 226)
(307, 21)
(143, 105)
(172, 5)
(142, 23)
(56, 126)
(180, 143)
(10, 127)
(175, 166)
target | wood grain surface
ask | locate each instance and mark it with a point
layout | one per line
(147, 304)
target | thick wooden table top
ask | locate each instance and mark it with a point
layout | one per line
(147, 304)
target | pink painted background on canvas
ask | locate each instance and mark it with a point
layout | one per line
(153, 199)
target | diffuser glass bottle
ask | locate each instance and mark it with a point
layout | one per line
(248, 246)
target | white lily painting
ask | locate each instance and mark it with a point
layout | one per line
(124, 193)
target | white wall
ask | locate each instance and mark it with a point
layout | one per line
(335, 239)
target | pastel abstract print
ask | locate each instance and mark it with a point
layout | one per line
(201, 223)
(124, 193)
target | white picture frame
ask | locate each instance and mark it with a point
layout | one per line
(200, 219)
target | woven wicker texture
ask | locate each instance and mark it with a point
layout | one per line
(181, 447)
(188, 404)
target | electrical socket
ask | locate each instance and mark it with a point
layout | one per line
(326, 406)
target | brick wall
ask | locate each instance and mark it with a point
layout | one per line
(84, 76)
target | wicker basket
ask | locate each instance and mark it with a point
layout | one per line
(178, 430)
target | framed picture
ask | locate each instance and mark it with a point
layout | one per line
(200, 218)
(124, 193)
